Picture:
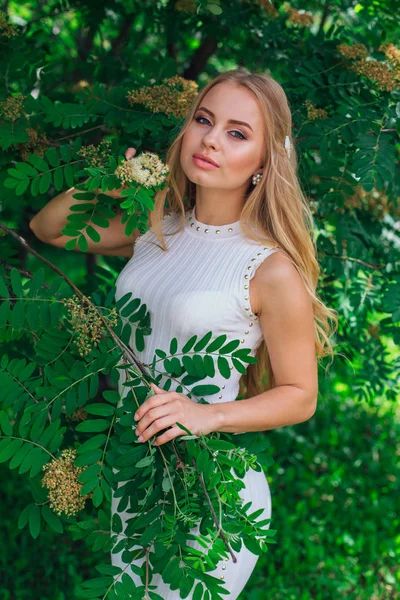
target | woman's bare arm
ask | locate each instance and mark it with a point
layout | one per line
(48, 223)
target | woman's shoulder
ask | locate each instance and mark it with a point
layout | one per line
(278, 269)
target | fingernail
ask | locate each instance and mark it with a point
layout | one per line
(140, 438)
(136, 417)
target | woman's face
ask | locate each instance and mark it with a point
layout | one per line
(236, 148)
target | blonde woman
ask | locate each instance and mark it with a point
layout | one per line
(230, 249)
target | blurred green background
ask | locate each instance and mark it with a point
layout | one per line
(335, 478)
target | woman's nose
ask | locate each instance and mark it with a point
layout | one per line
(210, 139)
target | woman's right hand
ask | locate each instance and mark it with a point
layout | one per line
(129, 153)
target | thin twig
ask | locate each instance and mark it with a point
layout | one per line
(22, 272)
(351, 258)
(220, 532)
(68, 137)
(127, 351)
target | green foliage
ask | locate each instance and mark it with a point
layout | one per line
(334, 492)
(73, 71)
(54, 389)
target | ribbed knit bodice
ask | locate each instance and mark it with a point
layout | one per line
(200, 284)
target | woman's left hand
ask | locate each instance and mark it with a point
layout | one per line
(164, 409)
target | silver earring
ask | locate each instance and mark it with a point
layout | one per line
(256, 178)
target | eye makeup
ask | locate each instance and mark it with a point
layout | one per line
(198, 117)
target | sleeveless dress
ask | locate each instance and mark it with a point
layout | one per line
(200, 284)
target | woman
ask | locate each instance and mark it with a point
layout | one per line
(240, 260)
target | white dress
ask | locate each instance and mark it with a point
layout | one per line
(200, 284)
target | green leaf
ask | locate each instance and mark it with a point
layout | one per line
(4, 312)
(230, 347)
(52, 156)
(78, 218)
(52, 519)
(205, 390)
(109, 569)
(98, 496)
(18, 315)
(189, 365)
(4, 293)
(65, 151)
(84, 196)
(111, 396)
(83, 207)
(35, 186)
(10, 450)
(10, 183)
(39, 459)
(215, 9)
(17, 174)
(120, 303)
(93, 234)
(93, 425)
(24, 516)
(100, 221)
(130, 307)
(116, 523)
(239, 366)
(16, 283)
(22, 187)
(45, 182)
(89, 473)
(217, 343)
(209, 367)
(34, 521)
(88, 487)
(5, 423)
(27, 169)
(144, 462)
(244, 356)
(38, 162)
(104, 410)
(173, 346)
(203, 342)
(189, 344)
(69, 175)
(198, 591)
(70, 245)
(83, 244)
(88, 458)
(223, 367)
(95, 442)
(199, 365)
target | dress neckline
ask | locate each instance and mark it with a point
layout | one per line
(204, 230)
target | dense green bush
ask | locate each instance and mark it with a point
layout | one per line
(334, 485)
(82, 82)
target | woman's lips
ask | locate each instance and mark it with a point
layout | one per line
(203, 163)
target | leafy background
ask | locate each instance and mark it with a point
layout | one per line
(335, 478)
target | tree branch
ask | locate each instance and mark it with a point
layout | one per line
(22, 272)
(214, 516)
(127, 350)
(123, 34)
(200, 58)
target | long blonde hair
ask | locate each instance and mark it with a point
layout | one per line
(276, 207)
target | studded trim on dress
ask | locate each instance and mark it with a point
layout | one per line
(213, 232)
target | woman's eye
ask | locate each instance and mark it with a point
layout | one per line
(239, 132)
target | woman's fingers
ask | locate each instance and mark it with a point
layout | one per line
(130, 153)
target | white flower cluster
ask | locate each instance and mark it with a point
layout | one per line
(146, 169)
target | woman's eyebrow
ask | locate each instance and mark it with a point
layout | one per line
(230, 120)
